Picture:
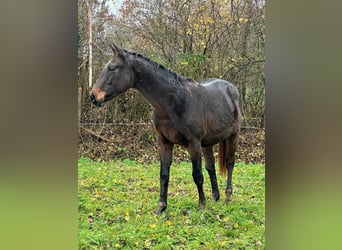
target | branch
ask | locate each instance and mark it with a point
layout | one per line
(243, 66)
(102, 51)
(95, 134)
(84, 62)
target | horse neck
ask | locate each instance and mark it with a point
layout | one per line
(158, 85)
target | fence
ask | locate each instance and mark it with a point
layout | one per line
(137, 141)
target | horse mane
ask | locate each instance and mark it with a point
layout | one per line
(178, 78)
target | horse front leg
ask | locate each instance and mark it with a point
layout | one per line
(197, 175)
(165, 153)
(210, 166)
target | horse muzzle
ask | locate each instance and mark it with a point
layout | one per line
(95, 101)
(97, 96)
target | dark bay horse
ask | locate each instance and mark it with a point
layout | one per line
(194, 115)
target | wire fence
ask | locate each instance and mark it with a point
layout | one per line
(137, 141)
(93, 124)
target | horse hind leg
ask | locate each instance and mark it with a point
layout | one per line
(210, 166)
(232, 142)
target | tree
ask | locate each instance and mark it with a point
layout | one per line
(198, 38)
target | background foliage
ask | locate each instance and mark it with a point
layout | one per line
(198, 38)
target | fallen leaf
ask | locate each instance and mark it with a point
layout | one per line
(258, 244)
(148, 243)
(226, 219)
(218, 218)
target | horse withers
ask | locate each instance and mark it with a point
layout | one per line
(194, 115)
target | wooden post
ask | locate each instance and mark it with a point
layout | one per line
(90, 44)
(79, 105)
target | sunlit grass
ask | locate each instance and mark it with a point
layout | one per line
(117, 203)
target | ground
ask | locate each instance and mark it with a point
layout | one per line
(118, 199)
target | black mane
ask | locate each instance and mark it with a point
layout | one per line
(178, 78)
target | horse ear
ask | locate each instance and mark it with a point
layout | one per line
(116, 50)
(113, 47)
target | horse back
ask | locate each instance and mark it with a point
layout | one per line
(222, 109)
(221, 96)
(210, 113)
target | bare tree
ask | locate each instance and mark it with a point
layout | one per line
(90, 44)
(195, 38)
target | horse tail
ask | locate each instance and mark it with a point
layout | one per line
(222, 156)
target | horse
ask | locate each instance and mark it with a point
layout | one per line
(194, 115)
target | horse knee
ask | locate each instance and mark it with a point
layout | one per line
(165, 176)
(211, 171)
(210, 168)
(198, 177)
(230, 162)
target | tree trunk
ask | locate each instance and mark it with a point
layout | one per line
(244, 39)
(79, 105)
(90, 44)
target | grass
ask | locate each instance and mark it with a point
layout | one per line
(117, 203)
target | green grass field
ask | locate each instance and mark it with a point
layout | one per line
(117, 203)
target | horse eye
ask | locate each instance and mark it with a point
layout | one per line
(113, 68)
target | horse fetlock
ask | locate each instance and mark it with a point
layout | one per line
(202, 204)
(229, 193)
(161, 207)
(216, 195)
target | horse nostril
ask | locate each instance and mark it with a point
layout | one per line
(94, 101)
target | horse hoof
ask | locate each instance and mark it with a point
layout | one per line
(229, 195)
(216, 197)
(202, 206)
(161, 207)
(228, 199)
